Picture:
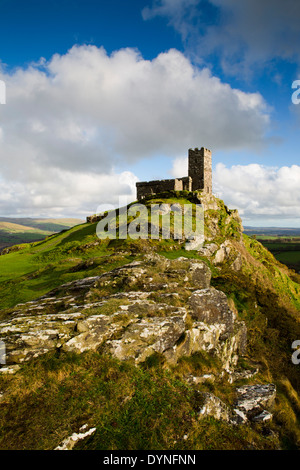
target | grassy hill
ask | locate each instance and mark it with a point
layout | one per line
(23, 230)
(150, 406)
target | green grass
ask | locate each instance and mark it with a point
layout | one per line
(289, 257)
(14, 231)
(145, 408)
(281, 246)
(39, 267)
(287, 252)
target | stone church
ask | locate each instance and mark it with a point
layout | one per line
(199, 177)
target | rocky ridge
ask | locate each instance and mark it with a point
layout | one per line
(151, 306)
(143, 317)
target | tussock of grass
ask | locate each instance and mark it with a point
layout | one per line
(132, 408)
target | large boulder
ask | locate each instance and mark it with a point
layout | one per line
(213, 406)
(216, 327)
(211, 307)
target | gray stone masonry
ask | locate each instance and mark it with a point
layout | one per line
(199, 177)
(200, 169)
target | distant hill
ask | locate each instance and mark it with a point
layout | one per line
(272, 231)
(15, 230)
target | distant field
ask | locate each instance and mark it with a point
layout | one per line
(289, 257)
(14, 231)
(283, 243)
(285, 249)
(288, 238)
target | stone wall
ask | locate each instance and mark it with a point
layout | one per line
(146, 188)
(185, 183)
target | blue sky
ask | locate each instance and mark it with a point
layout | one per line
(101, 94)
(36, 28)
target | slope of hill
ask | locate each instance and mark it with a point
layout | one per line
(284, 243)
(145, 344)
(23, 230)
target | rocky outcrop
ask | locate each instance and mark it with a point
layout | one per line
(213, 406)
(194, 243)
(134, 323)
(148, 336)
(253, 403)
(209, 307)
(226, 252)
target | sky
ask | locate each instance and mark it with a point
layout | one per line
(100, 94)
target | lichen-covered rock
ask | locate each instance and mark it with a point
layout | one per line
(208, 201)
(252, 400)
(208, 249)
(196, 272)
(78, 287)
(222, 253)
(28, 336)
(199, 275)
(126, 275)
(211, 306)
(148, 336)
(242, 374)
(237, 264)
(94, 331)
(72, 440)
(194, 242)
(214, 407)
(146, 315)
(196, 380)
(250, 404)
(200, 337)
(215, 327)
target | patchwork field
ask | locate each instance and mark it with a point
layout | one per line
(287, 251)
(283, 243)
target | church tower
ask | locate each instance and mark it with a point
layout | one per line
(200, 169)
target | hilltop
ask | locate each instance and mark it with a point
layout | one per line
(107, 338)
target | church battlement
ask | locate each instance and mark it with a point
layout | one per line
(199, 177)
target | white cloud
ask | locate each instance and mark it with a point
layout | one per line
(260, 192)
(70, 121)
(60, 193)
(180, 167)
